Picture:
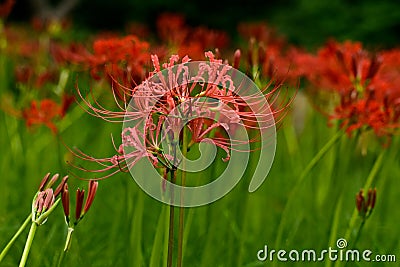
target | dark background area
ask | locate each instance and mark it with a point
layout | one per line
(304, 22)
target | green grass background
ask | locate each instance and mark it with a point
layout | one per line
(126, 227)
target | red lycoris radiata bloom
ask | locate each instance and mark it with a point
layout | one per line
(120, 60)
(46, 112)
(366, 83)
(268, 55)
(159, 126)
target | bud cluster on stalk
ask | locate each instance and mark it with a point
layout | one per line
(45, 201)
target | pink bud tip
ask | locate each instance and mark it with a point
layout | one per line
(65, 200)
(44, 181)
(91, 194)
(236, 59)
(61, 186)
(80, 194)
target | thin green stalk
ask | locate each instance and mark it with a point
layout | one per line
(246, 202)
(335, 226)
(354, 216)
(16, 235)
(158, 239)
(61, 258)
(359, 232)
(318, 157)
(182, 209)
(28, 244)
(367, 185)
(171, 224)
(166, 237)
(66, 247)
(300, 181)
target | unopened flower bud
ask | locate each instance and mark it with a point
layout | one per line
(91, 194)
(65, 201)
(236, 59)
(80, 194)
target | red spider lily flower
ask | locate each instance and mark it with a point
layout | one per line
(268, 54)
(365, 82)
(162, 108)
(44, 112)
(131, 141)
(120, 60)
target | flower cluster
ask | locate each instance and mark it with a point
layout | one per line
(39, 93)
(366, 84)
(120, 60)
(43, 202)
(46, 112)
(268, 55)
(162, 108)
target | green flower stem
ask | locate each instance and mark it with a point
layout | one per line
(335, 227)
(171, 224)
(69, 239)
(367, 185)
(67, 245)
(16, 235)
(155, 256)
(354, 216)
(166, 237)
(185, 142)
(359, 232)
(28, 244)
(300, 181)
(35, 223)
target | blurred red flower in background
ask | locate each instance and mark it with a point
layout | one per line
(184, 40)
(120, 60)
(46, 112)
(367, 85)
